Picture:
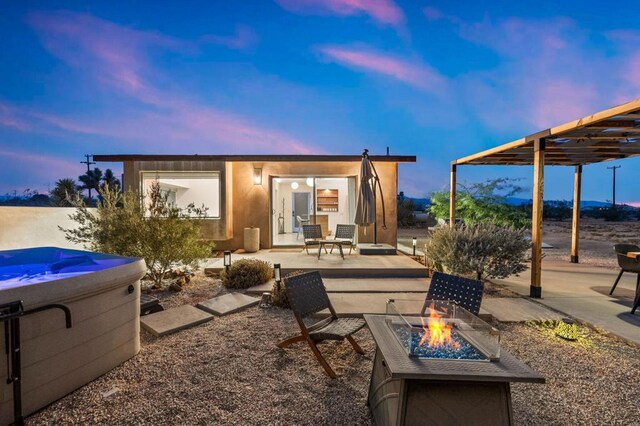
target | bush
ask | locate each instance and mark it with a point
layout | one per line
(483, 250)
(278, 292)
(245, 273)
(164, 235)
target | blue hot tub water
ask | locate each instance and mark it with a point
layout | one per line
(42, 264)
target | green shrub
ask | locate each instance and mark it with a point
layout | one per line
(278, 292)
(245, 273)
(483, 250)
(165, 236)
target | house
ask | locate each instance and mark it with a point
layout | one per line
(276, 193)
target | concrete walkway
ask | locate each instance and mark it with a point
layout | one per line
(369, 285)
(583, 292)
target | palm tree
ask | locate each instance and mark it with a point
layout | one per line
(65, 190)
(91, 180)
(110, 180)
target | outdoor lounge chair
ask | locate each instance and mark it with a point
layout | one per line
(312, 236)
(465, 292)
(627, 264)
(346, 234)
(307, 296)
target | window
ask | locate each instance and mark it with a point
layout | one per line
(184, 188)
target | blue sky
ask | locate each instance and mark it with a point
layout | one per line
(431, 79)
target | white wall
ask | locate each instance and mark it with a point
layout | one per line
(22, 227)
(342, 215)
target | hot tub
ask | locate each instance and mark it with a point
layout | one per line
(103, 293)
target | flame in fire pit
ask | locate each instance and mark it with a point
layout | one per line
(437, 331)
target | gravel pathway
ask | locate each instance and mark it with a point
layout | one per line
(229, 372)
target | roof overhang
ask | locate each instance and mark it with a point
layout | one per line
(256, 158)
(607, 135)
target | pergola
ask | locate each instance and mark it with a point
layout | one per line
(607, 135)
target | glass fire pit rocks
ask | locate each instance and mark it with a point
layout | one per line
(443, 331)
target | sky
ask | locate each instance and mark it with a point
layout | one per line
(435, 79)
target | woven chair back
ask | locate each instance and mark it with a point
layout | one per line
(311, 232)
(464, 291)
(306, 293)
(345, 232)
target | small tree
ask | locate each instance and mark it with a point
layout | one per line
(482, 202)
(483, 249)
(64, 193)
(164, 235)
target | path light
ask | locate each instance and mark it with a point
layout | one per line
(265, 301)
(567, 329)
(415, 242)
(227, 260)
(277, 273)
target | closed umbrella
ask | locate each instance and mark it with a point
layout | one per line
(366, 206)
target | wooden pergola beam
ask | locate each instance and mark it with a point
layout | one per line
(575, 223)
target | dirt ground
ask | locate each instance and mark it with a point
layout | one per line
(597, 238)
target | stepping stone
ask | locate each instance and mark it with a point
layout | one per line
(174, 319)
(227, 304)
(516, 309)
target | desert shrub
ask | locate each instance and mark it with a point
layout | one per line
(483, 250)
(164, 235)
(245, 273)
(278, 292)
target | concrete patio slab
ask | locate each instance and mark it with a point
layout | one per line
(332, 265)
(362, 285)
(174, 319)
(227, 304)
(583, 292)
(514, 309)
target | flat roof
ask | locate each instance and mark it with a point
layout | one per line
(607, 135)
(255, 158)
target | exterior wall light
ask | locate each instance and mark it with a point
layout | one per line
(227, 259)
(294, 185)
(415, 242)
(257, 176)
(567, 329)
(310, 182)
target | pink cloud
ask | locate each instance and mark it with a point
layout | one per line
(29, 120)
(417, 75)
(382, 11)
(120, 59)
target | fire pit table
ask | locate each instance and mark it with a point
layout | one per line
(443, 367)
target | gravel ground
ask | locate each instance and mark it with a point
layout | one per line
(229, 372)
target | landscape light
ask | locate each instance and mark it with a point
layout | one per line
(227, 259)
(567, 329)
(415, 241)
(277, 272)
(257, 176)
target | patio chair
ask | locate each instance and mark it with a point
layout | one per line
(312, 236)
(307, 296)
(346, 234)
(301, 222)
(465, 292)
(627, 264)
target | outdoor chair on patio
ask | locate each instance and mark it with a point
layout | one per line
(627, 264)
(346, 234)
(301, 222)
(465, 292)
(307, 296)
(312, 236)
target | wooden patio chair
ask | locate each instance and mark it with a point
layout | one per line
(346, 234)
(312, 235)
(307, 296)
(465, 292)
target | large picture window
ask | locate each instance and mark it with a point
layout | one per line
(184, 188)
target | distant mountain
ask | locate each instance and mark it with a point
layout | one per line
(515, 201)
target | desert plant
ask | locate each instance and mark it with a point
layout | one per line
(161, 233)
(483, 250)
(279, 293)
(245, 273)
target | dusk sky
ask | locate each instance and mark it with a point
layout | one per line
(439, 80)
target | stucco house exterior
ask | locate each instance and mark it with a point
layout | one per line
(275, 193)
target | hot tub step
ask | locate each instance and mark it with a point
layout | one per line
(174, 319)
(227, 304)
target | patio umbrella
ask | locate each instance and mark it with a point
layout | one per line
(366, 206)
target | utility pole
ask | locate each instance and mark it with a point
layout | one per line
(614, 183)
(88, 163)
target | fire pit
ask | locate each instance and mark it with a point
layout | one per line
(444, 366)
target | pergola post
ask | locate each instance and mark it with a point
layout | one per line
(452, 197)
(575, 224)
(536, 219)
